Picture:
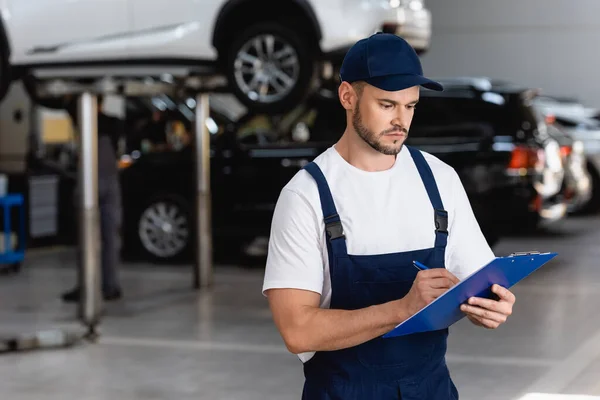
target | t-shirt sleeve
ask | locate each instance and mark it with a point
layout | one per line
(467, 249)
(294, 258)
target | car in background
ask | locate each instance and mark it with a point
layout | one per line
(578, 181)
(577, 121)
(564, 107)
(270, 51)
(248, 170)
(531, 164)
(510, 178)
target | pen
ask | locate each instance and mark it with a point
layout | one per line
(419, 265)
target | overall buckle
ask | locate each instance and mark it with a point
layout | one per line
(441, 221)
(334, 230)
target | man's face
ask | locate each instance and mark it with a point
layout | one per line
(382, 119)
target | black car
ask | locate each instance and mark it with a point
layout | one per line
(524, 183)
(495, 148)
(248, 170)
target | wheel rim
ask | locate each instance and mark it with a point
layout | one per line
(163, 229)
(266, 68)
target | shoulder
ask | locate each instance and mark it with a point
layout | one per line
(304, 184)
(438, 166)
(444, 174)
(448, 182)
(299, 201)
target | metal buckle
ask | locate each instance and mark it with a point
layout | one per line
(334, 230)
(441, 221)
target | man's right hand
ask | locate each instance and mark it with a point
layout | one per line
(429, 285)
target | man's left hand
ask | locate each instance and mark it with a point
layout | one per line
(490, 313)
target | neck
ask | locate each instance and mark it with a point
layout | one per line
(359, 154)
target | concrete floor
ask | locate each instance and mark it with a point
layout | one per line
(164, 341)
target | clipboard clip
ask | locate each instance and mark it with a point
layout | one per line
(525, 253)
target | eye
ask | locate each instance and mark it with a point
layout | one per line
(386, 106)
(411, 107)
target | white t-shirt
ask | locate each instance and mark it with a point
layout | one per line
(381, 212)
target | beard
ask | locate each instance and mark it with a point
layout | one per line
(373, 139)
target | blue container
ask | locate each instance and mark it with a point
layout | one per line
(12, 257)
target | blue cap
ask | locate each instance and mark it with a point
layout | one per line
(387, 62)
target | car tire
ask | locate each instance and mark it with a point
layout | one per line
(287, 45)
(164, 229)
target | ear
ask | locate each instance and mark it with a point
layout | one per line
(348, 96)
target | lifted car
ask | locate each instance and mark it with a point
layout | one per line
(270, 51)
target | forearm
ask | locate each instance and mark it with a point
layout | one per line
(327, 329)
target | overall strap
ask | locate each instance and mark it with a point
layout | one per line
(336, 241)
(440, 214)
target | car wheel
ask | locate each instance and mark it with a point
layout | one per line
(164, 229)
(270, 68)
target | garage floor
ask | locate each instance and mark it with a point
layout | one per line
(166, 342)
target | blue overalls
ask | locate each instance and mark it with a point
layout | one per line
(408, 367)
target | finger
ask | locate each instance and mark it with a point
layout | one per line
(483, 322)
(504, 293)
(440, 283)
(438, 273)
(433, 294)
(453, 278)
(483, 313)
(475, 320)
(501, 307)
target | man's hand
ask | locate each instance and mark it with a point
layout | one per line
(429, 285)
(490, 313)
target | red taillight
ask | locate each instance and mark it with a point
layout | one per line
(550, 119)
(524, 157)
(565, 151)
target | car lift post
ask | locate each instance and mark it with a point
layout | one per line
(203, 266)
(89, 227)
(133, 83)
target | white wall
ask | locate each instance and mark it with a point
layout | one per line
(549, 44)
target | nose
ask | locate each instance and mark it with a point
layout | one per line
(402, 117)
(400, 120)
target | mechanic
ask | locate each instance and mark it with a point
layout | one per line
(110, 130)
(346, 230)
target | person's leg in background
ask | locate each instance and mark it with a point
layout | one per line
(109, 204)
(110, 224)
(74, 294)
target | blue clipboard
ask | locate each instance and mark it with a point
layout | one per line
(445, 310)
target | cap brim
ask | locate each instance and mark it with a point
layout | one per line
(392, 83)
